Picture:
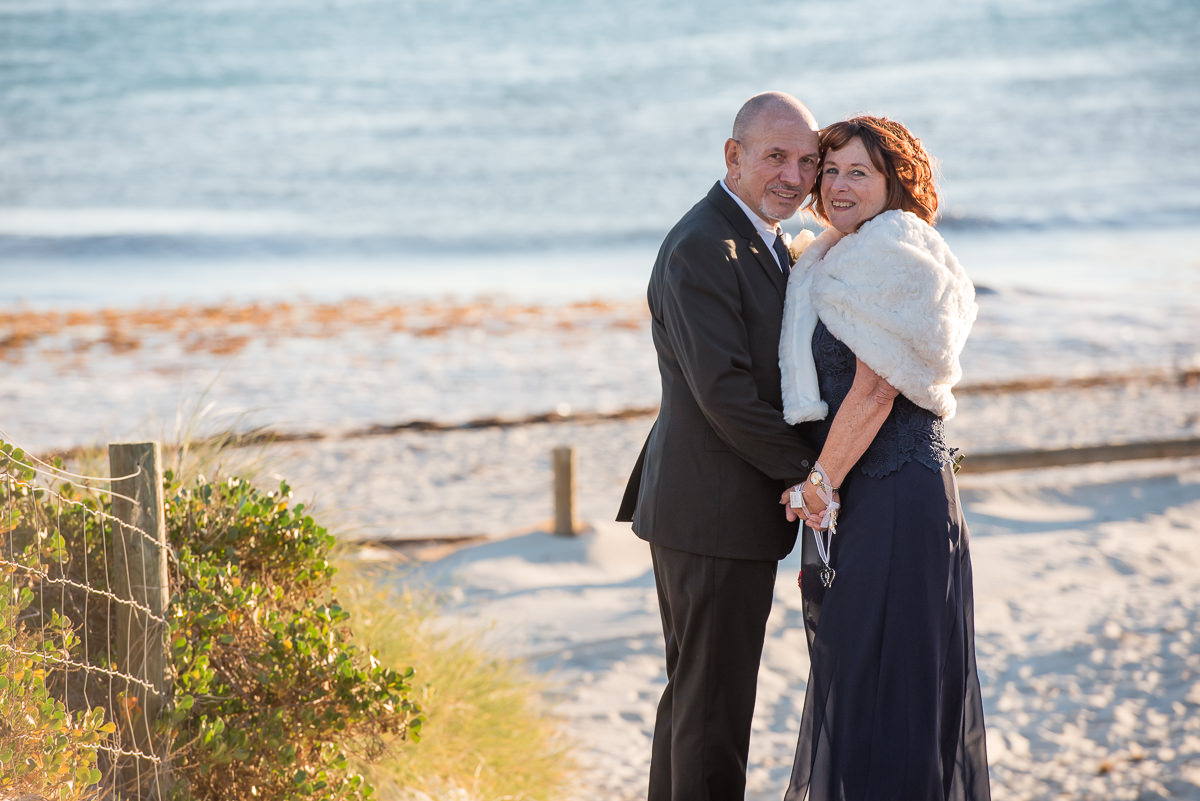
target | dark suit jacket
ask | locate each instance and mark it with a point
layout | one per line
(709, 476)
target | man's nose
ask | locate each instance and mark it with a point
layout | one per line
(791, 173)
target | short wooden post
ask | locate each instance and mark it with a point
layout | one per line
(138, 566)
(564, 491)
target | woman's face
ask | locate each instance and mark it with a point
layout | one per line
(852, 189)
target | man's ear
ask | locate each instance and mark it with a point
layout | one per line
(733, 155)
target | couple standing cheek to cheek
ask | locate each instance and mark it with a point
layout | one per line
(836, 398)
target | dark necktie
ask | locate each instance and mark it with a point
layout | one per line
(785, 260)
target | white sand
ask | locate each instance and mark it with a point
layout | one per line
(1088, 579)
(1087, 591)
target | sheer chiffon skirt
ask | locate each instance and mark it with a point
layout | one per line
(893, 707)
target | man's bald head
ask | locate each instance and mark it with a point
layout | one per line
(775, 102)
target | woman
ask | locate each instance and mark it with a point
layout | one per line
(877, 312)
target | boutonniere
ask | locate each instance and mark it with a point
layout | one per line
(798, 243)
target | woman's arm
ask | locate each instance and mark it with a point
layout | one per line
(854, 427)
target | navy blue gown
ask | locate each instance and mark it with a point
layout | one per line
(893, 708)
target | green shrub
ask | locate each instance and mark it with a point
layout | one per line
(44, 748)
(272, 699)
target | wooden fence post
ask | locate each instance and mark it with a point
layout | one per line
(564, 491)
(138, 565)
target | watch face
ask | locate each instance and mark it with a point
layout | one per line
(815, 478)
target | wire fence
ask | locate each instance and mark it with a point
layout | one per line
(83, 660)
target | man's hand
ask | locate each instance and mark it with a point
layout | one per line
(793, 513)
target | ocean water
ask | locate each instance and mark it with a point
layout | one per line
(217, 148)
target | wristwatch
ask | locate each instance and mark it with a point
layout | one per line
(816, 478)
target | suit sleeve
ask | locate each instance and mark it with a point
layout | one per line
(702, 314)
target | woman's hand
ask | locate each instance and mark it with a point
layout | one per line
(812, 512)
(815, 506)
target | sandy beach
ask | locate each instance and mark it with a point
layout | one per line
(1087, 582)
(304, 368)
(417, 421)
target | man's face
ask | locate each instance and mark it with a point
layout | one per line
(773, 168)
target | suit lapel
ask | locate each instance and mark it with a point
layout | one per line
(766, 260)
(749, 234)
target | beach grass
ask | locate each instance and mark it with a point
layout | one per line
(487, 734)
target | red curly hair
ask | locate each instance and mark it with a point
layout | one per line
(896, 153)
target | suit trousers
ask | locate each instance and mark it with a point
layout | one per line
(714, 615)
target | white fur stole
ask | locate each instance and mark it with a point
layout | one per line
(895, 295)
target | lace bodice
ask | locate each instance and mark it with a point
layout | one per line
(910, 433)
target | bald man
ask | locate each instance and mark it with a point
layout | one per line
(705, 490)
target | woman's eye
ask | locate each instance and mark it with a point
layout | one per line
(831, 170)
